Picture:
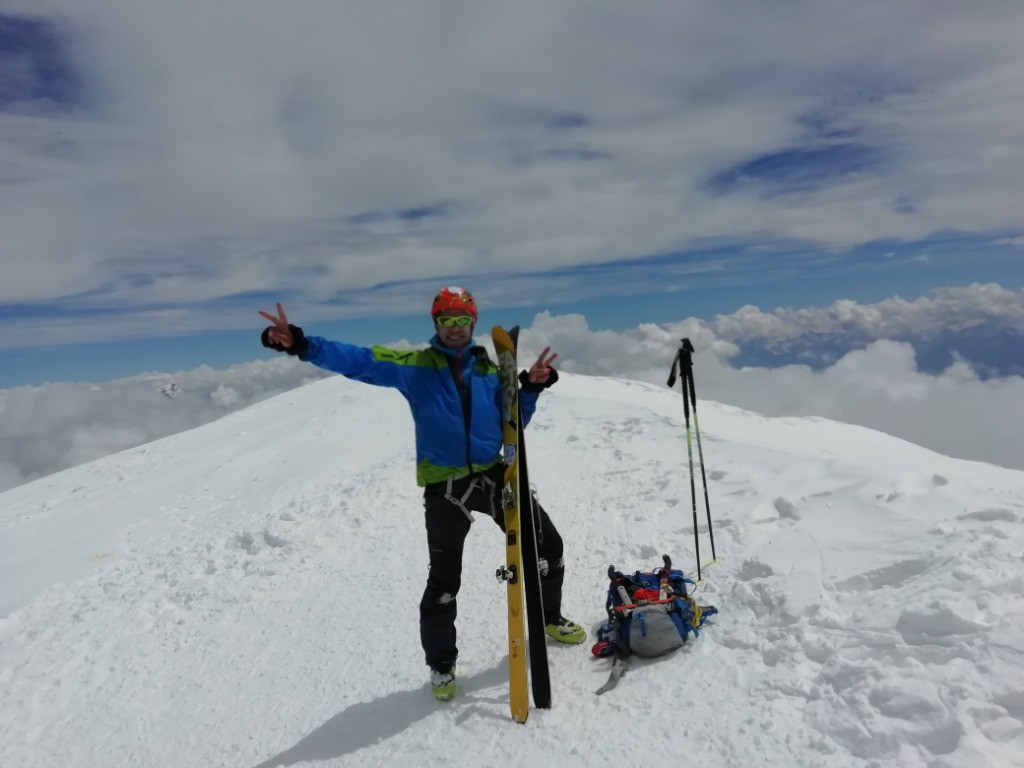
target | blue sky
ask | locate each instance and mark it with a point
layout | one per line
(164, 175)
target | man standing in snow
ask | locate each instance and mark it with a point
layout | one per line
(453, 390)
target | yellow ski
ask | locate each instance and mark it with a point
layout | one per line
(511, 573)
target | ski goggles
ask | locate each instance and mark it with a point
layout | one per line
(460, 321)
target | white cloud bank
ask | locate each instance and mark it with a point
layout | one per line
(946, 309)
(954, 412)
(880, 385)
(54, 426)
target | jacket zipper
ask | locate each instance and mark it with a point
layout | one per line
(465, 397)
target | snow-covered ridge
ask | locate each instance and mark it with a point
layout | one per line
(204, 600)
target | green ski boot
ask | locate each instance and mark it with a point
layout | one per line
(565, 631)
(442, 684)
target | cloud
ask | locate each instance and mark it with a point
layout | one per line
(1017, 242)
(55, 426)
(943, 371)
(880, 386)
(944, 309)
(318, 150)
(875, 381)
(983, 324)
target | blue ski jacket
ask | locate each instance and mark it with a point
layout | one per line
(455, 399)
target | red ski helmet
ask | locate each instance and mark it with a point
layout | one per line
(453, 297)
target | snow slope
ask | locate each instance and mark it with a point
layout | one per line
(207, 599)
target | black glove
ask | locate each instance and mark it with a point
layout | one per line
(300, 344)
(536, 386)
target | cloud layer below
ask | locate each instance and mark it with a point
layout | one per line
(878, 381)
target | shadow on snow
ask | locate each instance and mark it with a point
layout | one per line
(367, 723)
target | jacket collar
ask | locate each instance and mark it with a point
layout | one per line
(472, 348)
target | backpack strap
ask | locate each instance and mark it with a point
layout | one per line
(619, 664)
(695, 610)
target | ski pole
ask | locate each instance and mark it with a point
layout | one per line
(700, 449)
(684, 363)
(689, 448)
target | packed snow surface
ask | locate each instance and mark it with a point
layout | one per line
(245, 594)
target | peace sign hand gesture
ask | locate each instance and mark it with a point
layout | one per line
(542, 370)
(279, 333)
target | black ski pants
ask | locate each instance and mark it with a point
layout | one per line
(448, 522)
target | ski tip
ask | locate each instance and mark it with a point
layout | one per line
(508, 336)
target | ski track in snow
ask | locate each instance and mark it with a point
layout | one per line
(210, 600)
